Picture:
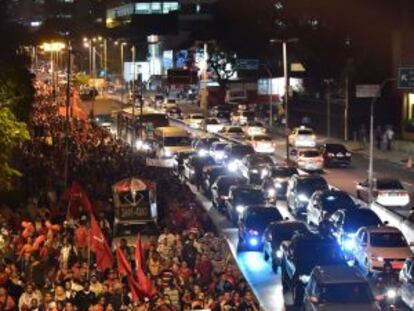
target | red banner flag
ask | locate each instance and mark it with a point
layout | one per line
(124, 267)
(145, 284)
(98, 244)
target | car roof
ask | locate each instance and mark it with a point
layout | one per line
(383, 229)
(307, 177)
(338, 274)
(288, 223)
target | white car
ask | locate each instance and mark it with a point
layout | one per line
(309, 160)
(234, 132)
(261, 143)
(302, 137)
(385, 191)
(407, 283)
(168, 106)
(217, 151)
(255, 129)
(213, 125)
(194, 120)
(375, 245)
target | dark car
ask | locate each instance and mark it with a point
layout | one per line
(323, 204)
(193, 167)
(203, 144)
(174, 112)
(252, 166)
(253, 223)
(344, 223)
(234, 153)
(210, 175)
(221, 187)
(275, 180)
(240, 197)
(300, 189)
(275, 234)
(335, 155)
(178, 161)
(303, 253)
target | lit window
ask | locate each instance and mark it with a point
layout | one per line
(169, 7)
(143, 8)
(156, 7)
(198, 8)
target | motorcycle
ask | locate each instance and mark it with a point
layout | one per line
(387, 285)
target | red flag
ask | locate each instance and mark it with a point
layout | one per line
(75, 194)
(124, 267)
(98, 244)
(145, 284)
(134, 287)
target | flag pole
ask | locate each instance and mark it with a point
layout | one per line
(89, 258)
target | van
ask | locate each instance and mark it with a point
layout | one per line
(170, 140)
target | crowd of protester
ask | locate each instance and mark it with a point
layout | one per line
(46, 262)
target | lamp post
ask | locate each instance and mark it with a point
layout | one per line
(371, 140)
(287, 87)
(271, 94)
(53, 47)
(133, 50)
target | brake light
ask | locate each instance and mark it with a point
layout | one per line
(253, 232)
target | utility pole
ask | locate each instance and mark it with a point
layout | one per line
(328, 107)
(106, 58)
(69, 69)
(133, 95)
(346, 130)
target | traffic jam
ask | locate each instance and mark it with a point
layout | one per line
(331, 251)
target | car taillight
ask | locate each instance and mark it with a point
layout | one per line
(253, 232)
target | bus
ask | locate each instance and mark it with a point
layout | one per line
(151, 119)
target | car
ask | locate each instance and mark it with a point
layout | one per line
(104, 121)
(334, 287)
(262, 143)
(406, 278)
(240, 197)
(217, 150)
(303, 253)
(174, 112)
(275, 180)
(344, 223)
(178, 160)
(275, 233)
(385, 191)
(255, 128)
(375, 245)
(168, 105)
(193, 167)
(219, 109)
(212, 125)
(302, 137)
(335, 155)
(221, 187)
(242, 117)
(194, 120)
(210, 175)
(309, 160)
(202, 144)
(233, 132)
(252, 165)
(233, 153)
(252, 224)
(224, 117)
(300, 189)
(323, 204)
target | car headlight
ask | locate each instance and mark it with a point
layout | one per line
(219, 155)
(167, 153)
(202, 152)
(330, 154)
(232, 166)
(303, 198)
(240, 209)
(146, 147)
(271, 192)
(304, 278)
(139, 144)
(278, 185)
(279, 254)
(254, 171)
(391, 293)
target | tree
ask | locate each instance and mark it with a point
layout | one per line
(12, 134)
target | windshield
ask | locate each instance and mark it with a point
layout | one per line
(356, 293)
(235, 130)
(335, 148)
(389, 185)
(387, 239)
(309, 186)
(224, 184)
(176, 141)
(219, 147)
(311, 254)
(103, 118)
(212, 121)
(284, 172)
(259, 218)
(197, 117)
(262, 138)
(250, 197)
(360, 219)
(305, 132)
(333, 201)
(309, 154)
(285, 232)
(241, 151)
(261, 160)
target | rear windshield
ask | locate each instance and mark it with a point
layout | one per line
(285, 232)
(283, 172)
(305, 132)
(357, 293)
(261, 160)
(177, 141)
(309, 186)
(335, 148)
(235, 130)
(262, 138)
(240, 151)
(261, 217)
(197, 117)
(219, 147)
(361, 218)
(336, 200)
(309, 153)
(250, 197)
(212, 121)
(387, 239)
(389, 185)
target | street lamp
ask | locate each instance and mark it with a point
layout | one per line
(271, 94)
(287, 87)
(53, 47)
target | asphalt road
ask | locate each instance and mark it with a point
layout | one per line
(266, 284)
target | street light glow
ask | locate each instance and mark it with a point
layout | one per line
(52, 46)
